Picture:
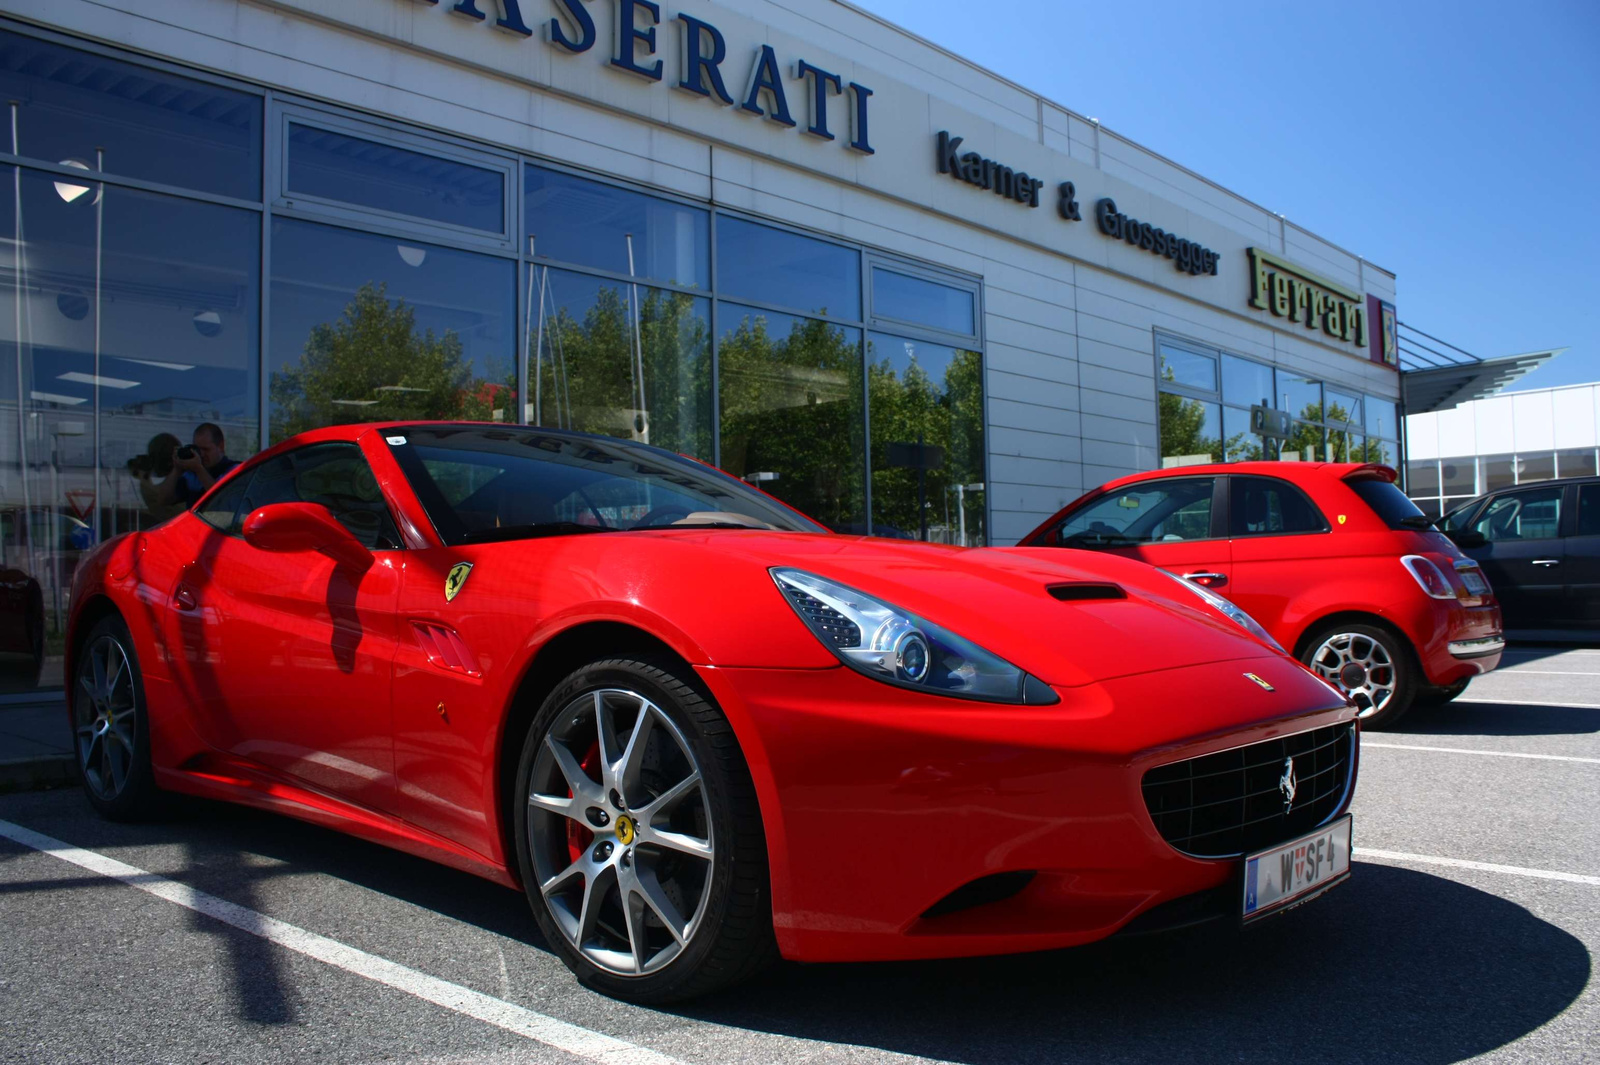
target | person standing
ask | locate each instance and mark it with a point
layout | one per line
(198, 467)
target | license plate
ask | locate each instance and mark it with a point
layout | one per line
(1474, 581)
(1289, 873)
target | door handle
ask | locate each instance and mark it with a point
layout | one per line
(1547, 562)
(1207, 580)
(184, 599)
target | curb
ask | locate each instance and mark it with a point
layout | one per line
(37, 774)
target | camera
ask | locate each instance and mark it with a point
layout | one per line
(141, 464)
(185, 452)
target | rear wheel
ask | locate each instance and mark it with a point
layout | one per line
(638, 835)
(110, 724)
(1372, 665)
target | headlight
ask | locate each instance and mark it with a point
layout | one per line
(1239, 617)
(896, 647)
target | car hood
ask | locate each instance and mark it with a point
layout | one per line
(1000, 599)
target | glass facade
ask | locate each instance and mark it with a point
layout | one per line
(1201, 422)
(186, 257)
(1438, 486)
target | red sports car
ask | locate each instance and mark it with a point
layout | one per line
(1332, 558)
(696, 728)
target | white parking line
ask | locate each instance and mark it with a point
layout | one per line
(1534, 702)
(1546, 672)
(1365, 744)
(1403, 858)
(570, 1038)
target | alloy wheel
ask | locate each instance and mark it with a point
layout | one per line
(1360, 666)
(619, 832)
(105, 717)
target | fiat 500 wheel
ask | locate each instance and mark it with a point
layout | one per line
(1371, 665)
(111, 731)
(638, 836)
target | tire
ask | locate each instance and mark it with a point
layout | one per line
(1431, 696)
(1373, 664)
(643, 859)
(111, 725)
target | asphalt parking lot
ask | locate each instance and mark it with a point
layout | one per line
(1469, 929)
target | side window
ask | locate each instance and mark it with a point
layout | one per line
(1265, 505)
(335, 475)
(1589, 510)
(1158, 511)
(221, 508)
(1532, 515)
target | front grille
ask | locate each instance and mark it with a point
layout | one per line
(1230, 803)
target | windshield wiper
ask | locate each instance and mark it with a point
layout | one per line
(530, 532)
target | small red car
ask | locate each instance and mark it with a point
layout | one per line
(1331, 558)
(697, 729)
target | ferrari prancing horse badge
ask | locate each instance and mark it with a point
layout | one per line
(455, 579)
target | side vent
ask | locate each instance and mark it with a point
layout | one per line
(445, 649)
(1078, 593)
(995, 887)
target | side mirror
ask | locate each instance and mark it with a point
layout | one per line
(1467, 539)
(304, 527)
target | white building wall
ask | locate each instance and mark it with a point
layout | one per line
(1070, 314)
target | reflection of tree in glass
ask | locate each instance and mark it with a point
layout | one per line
(909, 408)
(792, 406)
(373, 364)
(1183, 427)
(585, 378)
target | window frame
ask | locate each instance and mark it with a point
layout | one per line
(247, 474)
(284, 114)
(1217, 527)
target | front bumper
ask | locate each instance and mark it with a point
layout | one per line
(879, 803)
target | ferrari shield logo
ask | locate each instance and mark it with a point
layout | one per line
(455, 579)
(1264, 685)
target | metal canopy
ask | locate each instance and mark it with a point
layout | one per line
(1433, 379)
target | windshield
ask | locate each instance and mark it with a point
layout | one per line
(481, 483)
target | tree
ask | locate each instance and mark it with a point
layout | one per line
(373, 364)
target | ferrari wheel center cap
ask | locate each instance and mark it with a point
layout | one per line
(624, 829)
(1353, 675)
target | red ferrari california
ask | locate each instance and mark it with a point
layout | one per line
(698, 730)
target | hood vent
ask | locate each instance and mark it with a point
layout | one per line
(1078, 593)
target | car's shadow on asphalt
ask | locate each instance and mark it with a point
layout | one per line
(1494, 719)
(1395, 965)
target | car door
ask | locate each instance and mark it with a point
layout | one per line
(1276, 534)
(1523, 555)
(1581, 558)
(301, 670)
(1171, 522)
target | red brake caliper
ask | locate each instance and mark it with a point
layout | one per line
(578, 835)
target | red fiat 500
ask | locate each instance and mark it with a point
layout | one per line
(1331, 558)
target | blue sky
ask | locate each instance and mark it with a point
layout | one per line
(1455, 144)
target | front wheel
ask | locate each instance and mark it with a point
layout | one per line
(1372, 665)
(638, 835)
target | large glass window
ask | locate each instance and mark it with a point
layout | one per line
(793, 421)
(366, 327)
(146, 334)
(1191, 431)
(86, 111)
(1495, 472)
(1246, 383)
(619, 359)
(1533, 515)
(1577, 462)
(757, 262)
(577, 220)
(1300, 396)
(339, 166)
(926, 403)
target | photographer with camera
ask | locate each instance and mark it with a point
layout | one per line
(156, 462)
(197, 467)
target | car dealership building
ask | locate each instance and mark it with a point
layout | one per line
(892, 288)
